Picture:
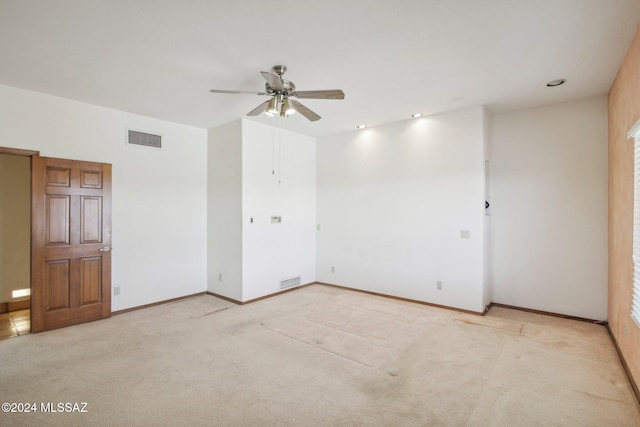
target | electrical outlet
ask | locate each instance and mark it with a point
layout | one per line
(333, 269)
(116, 290)
(219, 277)
(439, 285)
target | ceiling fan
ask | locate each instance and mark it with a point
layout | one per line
(281, 91)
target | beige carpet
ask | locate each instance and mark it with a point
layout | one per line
(319, 356)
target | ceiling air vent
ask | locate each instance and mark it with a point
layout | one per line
(146, 139)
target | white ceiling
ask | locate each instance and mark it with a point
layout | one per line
(392, 58)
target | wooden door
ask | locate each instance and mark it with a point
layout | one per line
(71, 242)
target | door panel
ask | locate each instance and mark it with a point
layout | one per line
(91, 179)
(90, 280)
(58, 209)
(58, 177)
(71, 276)
(91, 218)
(57, 285)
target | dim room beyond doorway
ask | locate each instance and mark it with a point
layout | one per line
(15, 246)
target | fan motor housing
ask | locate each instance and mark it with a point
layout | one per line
(288, 88)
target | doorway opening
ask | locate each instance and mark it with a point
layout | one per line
(15, 245)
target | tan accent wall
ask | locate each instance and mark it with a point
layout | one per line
(15, 225)
(624, 112)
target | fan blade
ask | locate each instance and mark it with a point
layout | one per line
(237, 92)
(305, 111)
(320, 94)
(259, 109)
(273, 79)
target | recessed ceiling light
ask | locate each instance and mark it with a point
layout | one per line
(362, 126)
(416, 115)
(554, 83)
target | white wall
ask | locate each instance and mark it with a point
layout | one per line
(225, 210)
(159, 196)
(549, 208)
(392, 201)
(486, 223)
(15, 225)
(279, 179)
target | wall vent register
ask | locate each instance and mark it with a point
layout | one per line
(145, 139)
(287, 283)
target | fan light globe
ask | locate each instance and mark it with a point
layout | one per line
(287, 108)
(272, 107)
